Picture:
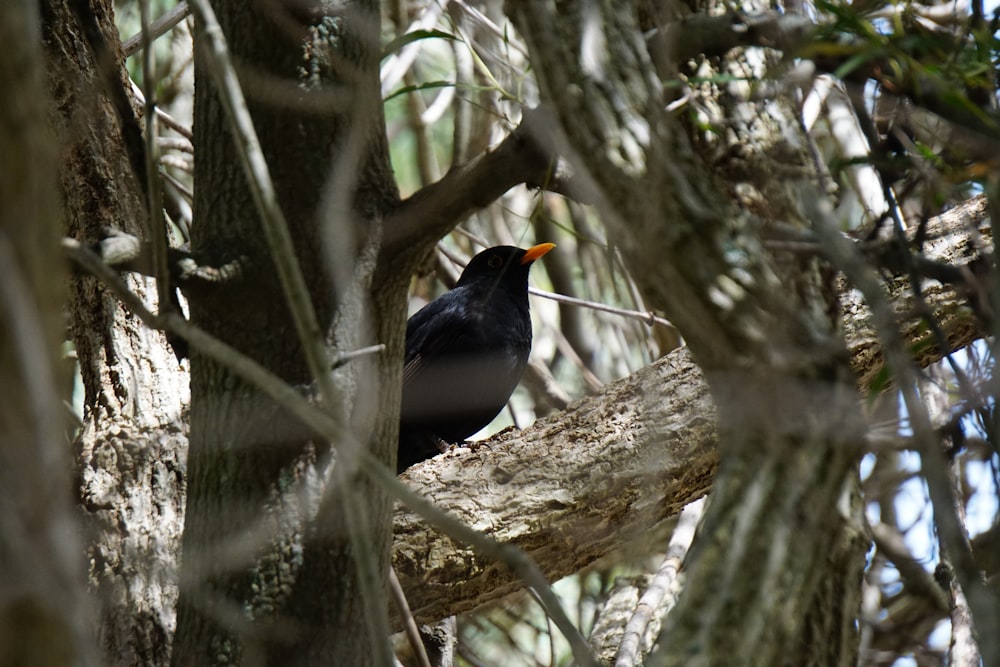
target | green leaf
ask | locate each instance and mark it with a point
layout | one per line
(415, 36)
(418, 87)
(429, 85)
(857, 60)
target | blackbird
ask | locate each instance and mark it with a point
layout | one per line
(465, 353)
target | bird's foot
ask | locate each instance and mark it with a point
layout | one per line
(442, 445)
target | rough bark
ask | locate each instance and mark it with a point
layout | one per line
(599, 476)
(782, 536)
(130, 449)
(268, 571)
(955, 238)
(627, 459)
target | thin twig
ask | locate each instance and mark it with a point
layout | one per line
(181, 189)
(660, 587)
(409, 623)
(354, 354)
(963, 650)
(157, 228)
(176, 144)
(156, 29)
(647, 317)
(919, 582)
(167, 119)
(177, 163)
(567, 350)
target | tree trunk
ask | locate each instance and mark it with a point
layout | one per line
(131, 447)
(778, 536)
(268, 571)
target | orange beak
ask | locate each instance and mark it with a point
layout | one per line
(536, 251)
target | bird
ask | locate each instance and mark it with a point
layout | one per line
(465, 353)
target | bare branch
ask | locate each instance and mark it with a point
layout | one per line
(660, 588)
(158, 28)
(523, 157)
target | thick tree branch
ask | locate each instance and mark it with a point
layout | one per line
(601, 475)
(523, 157)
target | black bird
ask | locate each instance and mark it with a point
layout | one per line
(465, 353)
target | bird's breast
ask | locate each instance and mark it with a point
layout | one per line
(466, 382)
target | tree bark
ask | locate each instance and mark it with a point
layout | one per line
(130, 448)
(782, 548)
(269, 573)
(44, 610)
(627, 458)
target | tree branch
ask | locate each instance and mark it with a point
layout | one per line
(125, 252)
(523, 157)
(628, 458)
(700, 34)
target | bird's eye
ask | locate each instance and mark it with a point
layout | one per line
(495, 262)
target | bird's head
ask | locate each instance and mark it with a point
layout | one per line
(503, 264)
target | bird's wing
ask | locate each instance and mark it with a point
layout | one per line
(441, 327)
